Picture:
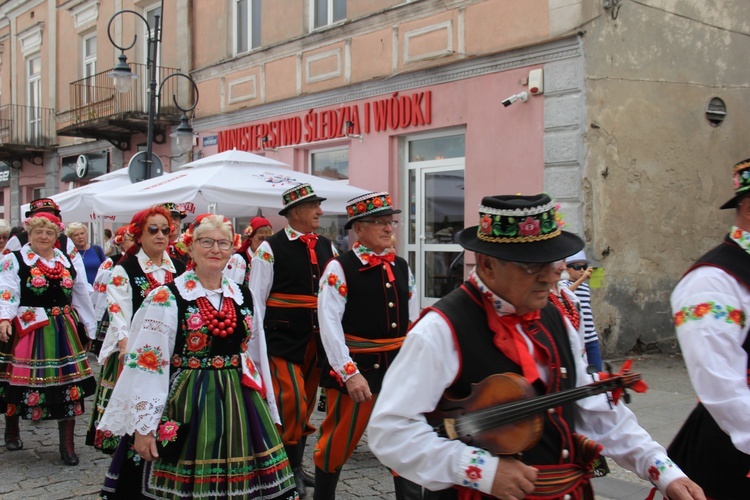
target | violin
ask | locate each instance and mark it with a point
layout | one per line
(503, 414)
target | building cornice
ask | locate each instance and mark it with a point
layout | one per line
(538, 54)
(15, 8)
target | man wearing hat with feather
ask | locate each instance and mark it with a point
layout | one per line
(286, 270)
(710, 307)
(499, 322)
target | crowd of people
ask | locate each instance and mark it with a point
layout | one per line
(214, 346)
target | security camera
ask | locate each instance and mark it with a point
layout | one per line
(522, 96)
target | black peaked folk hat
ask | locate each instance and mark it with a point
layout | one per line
(369, 205)
(520, 229)
(43, 205)
(741, 180)
(301, 193)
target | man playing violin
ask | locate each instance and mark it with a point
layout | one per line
(499, 321)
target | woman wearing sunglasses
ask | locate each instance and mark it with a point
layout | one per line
(143, 267)
(196, 387)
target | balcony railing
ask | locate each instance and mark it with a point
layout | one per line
(27, 126)
(95, 97)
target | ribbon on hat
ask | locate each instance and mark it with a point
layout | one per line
(376, 260)
(311, 240)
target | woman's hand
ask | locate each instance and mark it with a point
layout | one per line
(145, 446)
(6, 330)
(122, 346)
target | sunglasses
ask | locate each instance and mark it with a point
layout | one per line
(153, 229)
(579, 267)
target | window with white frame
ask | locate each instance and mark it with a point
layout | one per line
(246, 25)
(330, 164)
(325, 12)
(34, 97)
(89, 67)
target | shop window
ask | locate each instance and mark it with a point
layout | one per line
(332, 164)
(247, 25)
(327, 12)
(437, 148)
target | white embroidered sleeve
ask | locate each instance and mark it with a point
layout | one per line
(140, 394)
(10, 287)
(261, 278)
(103, 275)
(331, 307)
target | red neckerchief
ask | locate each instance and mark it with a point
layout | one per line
(376, 260)
(310, 240)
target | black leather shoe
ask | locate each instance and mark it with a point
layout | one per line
(13, 444)
(67, 445)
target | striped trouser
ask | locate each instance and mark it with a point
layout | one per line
(341, 430)
(296, 388)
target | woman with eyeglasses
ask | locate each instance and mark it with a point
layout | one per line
(196, 389)
(143, 267)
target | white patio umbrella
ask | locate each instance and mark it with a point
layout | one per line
(76, 205)
(234, 156)
(231, 188)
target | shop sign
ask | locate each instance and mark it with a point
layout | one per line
(392, 113)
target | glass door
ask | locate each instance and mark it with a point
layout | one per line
(435, 187)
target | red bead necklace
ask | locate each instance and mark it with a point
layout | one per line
(566, 309)
(53, 273)
(220, 323)
(152, 283)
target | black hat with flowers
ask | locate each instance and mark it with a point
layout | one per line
(43, 205)
(520, 229)
(369, 205)
(741, 179)
(175, 209)
(301, 193)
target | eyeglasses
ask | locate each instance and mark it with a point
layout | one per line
(209, 243)
(153, 229)
(380, 222)
(534, 267)
(579, 267)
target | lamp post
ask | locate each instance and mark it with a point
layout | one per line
(123, 77)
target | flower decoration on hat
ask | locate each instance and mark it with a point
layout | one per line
(120, 234)
(518, 225)
(188, 237)
(46, 204)
(740, 183)
(371, 204)
(298, 194)
(175, 208)
(255, 224)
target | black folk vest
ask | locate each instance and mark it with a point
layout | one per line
(53, 296)
(375, 309)
(480, 358)
(139, 285)
(289, 330)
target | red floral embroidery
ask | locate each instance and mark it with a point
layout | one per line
(10, 410)
(485, 225)
(679, 318)
(217, 362)
(114, 308)
(28, 316)
(194, 363)
(196, 341)
(701, 310)
(167, 431)
(473, 472)
(6, 295)
(32, 398)
(350, 211)
(388, 201)
(654, 473)
(377, 201)
(190, 284)
(36, 413)
(737, 316)
(303, 192)
(350, 368)
(149, 360)
(35, 271)
(161, 296)
(737, 234)
(361, 207)
(332, 279)
(77, 409)
(74, 393)
(342, 290)
(117, 280)
(529, 227)
(102, 288)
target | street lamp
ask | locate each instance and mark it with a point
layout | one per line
(123, 77)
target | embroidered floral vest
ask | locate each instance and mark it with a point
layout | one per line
(196, 348)
(375, 309)
(39, 291)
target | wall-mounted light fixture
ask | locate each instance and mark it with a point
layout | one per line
(349, 129)
(264, 141)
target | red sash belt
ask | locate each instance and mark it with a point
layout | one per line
(292, 300)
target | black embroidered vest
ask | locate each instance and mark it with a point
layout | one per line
(207, 351)
(53, 296)
(289, 330)
(139, 285)
(480, 358)
(375, 309)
